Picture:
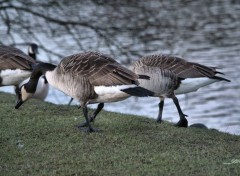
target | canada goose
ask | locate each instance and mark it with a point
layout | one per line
(173, 75)
(89, 77)
(15, 68)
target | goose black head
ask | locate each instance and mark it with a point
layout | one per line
(22, 96)
(33, 50)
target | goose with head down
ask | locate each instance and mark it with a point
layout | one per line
(16, 67)
(171, 76)
(89, 77)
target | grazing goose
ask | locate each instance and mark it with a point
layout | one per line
(89, 77)
(172, 75)
(15, 68)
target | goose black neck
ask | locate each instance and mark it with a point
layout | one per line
(39, 70)
(32, 55)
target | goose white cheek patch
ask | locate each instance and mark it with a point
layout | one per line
(25, 94)
(42, 88)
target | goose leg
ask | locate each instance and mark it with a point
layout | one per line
(69, 103)
(160, 110)
(99, 108)
(183, 121)
(91, 119)
(85, 113)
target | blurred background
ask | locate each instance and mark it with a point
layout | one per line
(207, 32)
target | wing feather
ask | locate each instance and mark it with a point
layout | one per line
(180, 67)
(13, 58)
(99, 69)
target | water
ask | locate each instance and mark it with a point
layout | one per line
(205, 33)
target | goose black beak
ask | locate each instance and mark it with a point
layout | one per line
(18, 104)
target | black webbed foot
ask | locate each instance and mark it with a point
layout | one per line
(85, 124)
(182, 123)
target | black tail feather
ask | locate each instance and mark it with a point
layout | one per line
(220, 78)
(219, 72)
(138, 91)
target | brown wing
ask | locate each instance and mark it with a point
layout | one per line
(99, 69)
(180, 67)
(13, 58)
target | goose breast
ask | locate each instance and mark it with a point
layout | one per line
(162, 82)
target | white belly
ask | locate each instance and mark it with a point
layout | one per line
(193, 84)
(13, 77)
(110, 93)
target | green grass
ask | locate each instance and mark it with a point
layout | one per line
(42, 139)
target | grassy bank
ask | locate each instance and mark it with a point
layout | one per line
(41, 139)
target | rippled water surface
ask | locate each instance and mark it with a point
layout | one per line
(215, 41)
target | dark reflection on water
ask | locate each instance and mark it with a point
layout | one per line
(205, 32)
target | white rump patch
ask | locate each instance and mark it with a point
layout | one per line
(111, 93)
(13, 77)
(193, 84)
(102, 90)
